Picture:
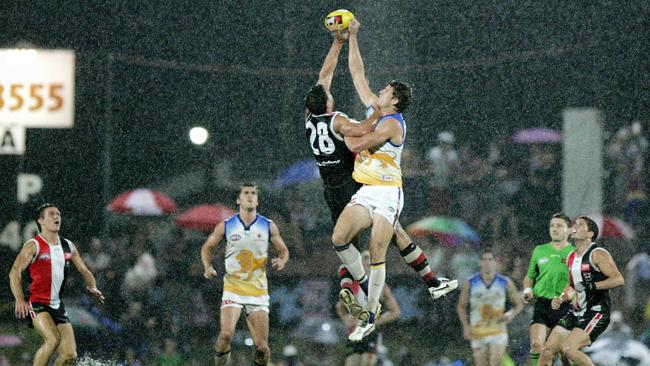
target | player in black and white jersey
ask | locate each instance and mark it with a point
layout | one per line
(592, 272)
(325, 130)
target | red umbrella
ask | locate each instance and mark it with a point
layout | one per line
(612, 227)
(143, 202)
(204, 217)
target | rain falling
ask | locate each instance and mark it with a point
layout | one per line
(370, 183)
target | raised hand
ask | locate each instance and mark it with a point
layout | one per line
(353, 26)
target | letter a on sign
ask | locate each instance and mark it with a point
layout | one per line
(12, 140)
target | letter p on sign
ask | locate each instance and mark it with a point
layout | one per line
(28, 185)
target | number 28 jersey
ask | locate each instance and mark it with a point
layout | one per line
(335, 161)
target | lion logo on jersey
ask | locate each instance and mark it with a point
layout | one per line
(249, 264)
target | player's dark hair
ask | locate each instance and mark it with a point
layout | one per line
(591, 226)
(403, 93)
(247, 184)
(487, 250)
(561, 216)
(316, 100)
(39, 213)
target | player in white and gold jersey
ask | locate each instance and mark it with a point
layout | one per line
(245, 286)
(379, 202)
(486, 327)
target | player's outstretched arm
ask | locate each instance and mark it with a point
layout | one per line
(15, 278)
(349, 127)
(391, 129)
(87, 276)
(357, 69)
(329, 65)
(280, 247)
(206, 250)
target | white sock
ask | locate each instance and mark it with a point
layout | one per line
(376, 285)
(351, 258)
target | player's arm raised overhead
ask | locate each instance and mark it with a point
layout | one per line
(357, 69)
(329, 65)
(280, 247)
(391, 129)
(206, 250)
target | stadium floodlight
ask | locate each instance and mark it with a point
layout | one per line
(199, 135)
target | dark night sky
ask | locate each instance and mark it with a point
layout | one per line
(242, 67)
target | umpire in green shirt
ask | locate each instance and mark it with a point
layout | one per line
(546, 278)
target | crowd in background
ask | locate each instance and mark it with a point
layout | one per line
(160, 310)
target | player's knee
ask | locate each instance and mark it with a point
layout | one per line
(52, 341)
(536, 346)
(568, 350)
(547, 351)
(339, 239)
(379, 242)
(260, 343)
(225, 337)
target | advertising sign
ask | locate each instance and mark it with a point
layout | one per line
(37, 88)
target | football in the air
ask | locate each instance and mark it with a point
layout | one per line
(338, 20)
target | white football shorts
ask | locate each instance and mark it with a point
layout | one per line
(481, 344)
(386, 201)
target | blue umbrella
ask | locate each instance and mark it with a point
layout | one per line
(300, 172)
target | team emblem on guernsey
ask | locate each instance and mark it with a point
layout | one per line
(44, 256)
(235, 237)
